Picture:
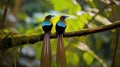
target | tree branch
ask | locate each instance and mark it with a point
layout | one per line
(17, 40)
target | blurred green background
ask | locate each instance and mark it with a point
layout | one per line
(95, 50)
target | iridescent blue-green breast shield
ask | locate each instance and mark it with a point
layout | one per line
(47, 26)
(61, 24)
(46, 23)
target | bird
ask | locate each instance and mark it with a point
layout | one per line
(46, 55)
(60, 55)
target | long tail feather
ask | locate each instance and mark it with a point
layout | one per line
(60, 57)
(46, 56)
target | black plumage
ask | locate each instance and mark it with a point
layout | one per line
(60, 55)
(46, 55)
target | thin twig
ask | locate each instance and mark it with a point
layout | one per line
(116, 43)
(115, 48)
(4, 15)
(101, 10)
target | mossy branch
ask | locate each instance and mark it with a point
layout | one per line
(17, 40)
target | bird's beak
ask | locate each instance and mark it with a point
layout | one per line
(52, 15)
(66, 16)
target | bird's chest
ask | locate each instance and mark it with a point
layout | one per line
(61, 24)
(46, 23)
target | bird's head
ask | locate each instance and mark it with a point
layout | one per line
(48, 17)
(63, 17)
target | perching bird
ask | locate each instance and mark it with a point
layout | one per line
(46, 56)
(60, 55)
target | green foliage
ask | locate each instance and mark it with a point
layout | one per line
(66, 5)
(77, 23)
(38, 46)
(80, 12)
(72, 57)
(59, 5)
(21, 16)
(102, 20)
(88, 58)
(91, 3)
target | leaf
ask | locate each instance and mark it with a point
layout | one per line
(78, 22)
(91, 3)
(103, 20)
(21, 15)
(38, 47)
(74, 8)
(72, 57)
(88, 58)
(54, 21)
(61, 5)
